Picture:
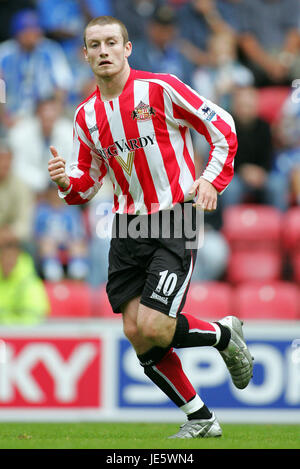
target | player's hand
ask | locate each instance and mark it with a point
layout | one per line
(57, 169)
(207, 195)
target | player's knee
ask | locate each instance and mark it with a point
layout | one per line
(130, 330)
(156, 328)
(147, 329)
(129, 317)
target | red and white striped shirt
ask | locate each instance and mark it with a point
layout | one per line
(142, 140)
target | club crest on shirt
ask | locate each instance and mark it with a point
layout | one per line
(143, 112)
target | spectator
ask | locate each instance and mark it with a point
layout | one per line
(22, 296)
(160, 52)
(136, 15)
(23, 299)
(32, 66)
(199, 20)
(270, 40)
(7, 10)
(64, 22)
(217, 80)
(16, 202)
(177, 3)
(61, 238)
(31, 137)
(253, 162)
(83, 79)
(287, 155)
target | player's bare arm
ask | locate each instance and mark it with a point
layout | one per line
(207, 194)
(57, 169)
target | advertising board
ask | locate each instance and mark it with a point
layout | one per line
(89, 371)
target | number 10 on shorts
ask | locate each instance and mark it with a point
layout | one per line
(167, 283)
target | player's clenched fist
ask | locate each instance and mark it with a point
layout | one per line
(57, 170)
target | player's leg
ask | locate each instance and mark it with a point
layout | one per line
(163, 367)
(129, 316)
(225, 335)
(163, 286)
(160, 363)
(229, 342)
(165, 290)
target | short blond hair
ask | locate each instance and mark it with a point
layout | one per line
(104, 20)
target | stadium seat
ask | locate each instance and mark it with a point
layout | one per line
(274, 300)
(69, 299)
(291, 229)
(270, 102)
(209, 300)
(295, 262)
(258, 265)
(101, 305)
(251, 225)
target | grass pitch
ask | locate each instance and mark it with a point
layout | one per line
(142, 436)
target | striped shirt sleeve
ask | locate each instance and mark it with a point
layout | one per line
(87, 168)
(214, 123)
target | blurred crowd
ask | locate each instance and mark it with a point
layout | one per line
(242, 54)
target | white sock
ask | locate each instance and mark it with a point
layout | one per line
(195, 404)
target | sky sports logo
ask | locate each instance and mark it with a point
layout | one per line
(50, 371)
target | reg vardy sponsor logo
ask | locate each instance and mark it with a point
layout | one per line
(124, 146)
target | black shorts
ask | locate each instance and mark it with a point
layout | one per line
(156, 267)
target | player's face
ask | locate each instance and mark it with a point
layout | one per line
(105, 50)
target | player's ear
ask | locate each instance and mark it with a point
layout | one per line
(128, 49)
(85, 53)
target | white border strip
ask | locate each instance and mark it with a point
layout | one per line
(264, 416)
